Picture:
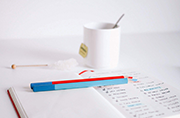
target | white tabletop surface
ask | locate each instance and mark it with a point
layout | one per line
(158, 54)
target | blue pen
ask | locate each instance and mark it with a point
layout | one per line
(75, 85)
(76, 80)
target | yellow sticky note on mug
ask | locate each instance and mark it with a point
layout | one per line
(83, 50)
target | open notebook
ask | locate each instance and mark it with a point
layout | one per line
(74, 103)
(150, 98)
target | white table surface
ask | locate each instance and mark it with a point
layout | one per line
(158, 54)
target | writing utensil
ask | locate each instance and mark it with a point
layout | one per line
(76, 80)
(75, 85)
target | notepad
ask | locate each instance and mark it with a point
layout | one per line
(150, 98)
(74, 103)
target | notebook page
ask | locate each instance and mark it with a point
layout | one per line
(150, 98)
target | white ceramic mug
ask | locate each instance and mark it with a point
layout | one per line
(103, 42)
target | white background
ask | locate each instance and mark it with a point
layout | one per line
(29, 19)
(150, 38)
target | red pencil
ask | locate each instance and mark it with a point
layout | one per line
(85, 80)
